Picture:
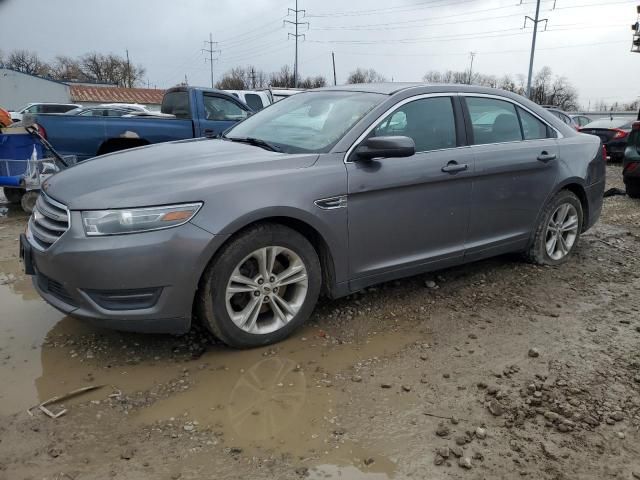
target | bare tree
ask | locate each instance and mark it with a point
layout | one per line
(556, 91)
(240, 78)
(234, 79)
(313, 82)
(547, 89)
(283, 78)
(361, 75)
(26, 61)
(67, 68)
(111, 69)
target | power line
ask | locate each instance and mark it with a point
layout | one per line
(296, 36)
(211, 51)
(390, 10)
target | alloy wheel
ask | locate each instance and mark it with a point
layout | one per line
(562, 231)
(266, 290)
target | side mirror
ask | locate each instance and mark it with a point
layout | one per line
(385, 147)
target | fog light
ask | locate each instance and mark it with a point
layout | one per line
(134, 299)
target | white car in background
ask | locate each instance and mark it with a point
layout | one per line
(16, 116)
(256, 99)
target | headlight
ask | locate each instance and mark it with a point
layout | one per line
(115, 222)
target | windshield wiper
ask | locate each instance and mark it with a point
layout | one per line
(258, 142)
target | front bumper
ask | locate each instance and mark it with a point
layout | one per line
(74, 272)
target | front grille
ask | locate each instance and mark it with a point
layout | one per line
(54, 288)
(48, 222)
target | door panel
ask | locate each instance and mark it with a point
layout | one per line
(405, 213)
(512, 179)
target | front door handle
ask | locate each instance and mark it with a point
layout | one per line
(210, 133)
(454, 167)
(546, 157)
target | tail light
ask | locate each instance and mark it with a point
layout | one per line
(619, 134)
(630, 167)
(41, 131)
(604, 153)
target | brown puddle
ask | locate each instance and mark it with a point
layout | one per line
(278, 400)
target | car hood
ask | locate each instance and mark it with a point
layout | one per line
(174, 172)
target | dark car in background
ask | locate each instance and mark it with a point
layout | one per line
(328, 191)
(571, 120)
(613, 132)
(581, 120)
(631, 164)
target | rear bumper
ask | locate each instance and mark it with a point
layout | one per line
(594, 201)
(615, 149)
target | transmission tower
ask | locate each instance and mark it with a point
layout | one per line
(210, 50)
(296, 36)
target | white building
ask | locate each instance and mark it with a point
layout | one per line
(17, 89)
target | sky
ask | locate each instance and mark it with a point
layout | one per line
(587, 41)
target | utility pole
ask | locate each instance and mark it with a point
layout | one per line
(472, 55)
(535, 21)
(210, 50)
(128, 74)
(333, 59)
(296, 35)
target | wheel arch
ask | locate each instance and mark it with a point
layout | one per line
(576, 186)
(117, 144)
(302, 222)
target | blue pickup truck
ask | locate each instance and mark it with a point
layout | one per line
(187, 112)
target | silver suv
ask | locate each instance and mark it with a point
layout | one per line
(328, 191)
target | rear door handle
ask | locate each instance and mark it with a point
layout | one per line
(546, 157)
(454, 167)
(209, 132)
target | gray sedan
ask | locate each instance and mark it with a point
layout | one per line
(326, 192)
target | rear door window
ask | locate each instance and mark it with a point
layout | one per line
(176, 103)
(493, 120)
(532, 128)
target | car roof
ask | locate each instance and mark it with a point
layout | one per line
(391, 88)
(615, 122)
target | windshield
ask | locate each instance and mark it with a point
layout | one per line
(309, 122)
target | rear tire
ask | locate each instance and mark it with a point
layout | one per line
(13, 195)
(558, 230)
(633, 188)
(276, 282)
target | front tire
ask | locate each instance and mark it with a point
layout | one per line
(558, 230)
(260, 287)
(13, 195)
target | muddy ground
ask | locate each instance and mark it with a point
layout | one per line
(496, 370)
